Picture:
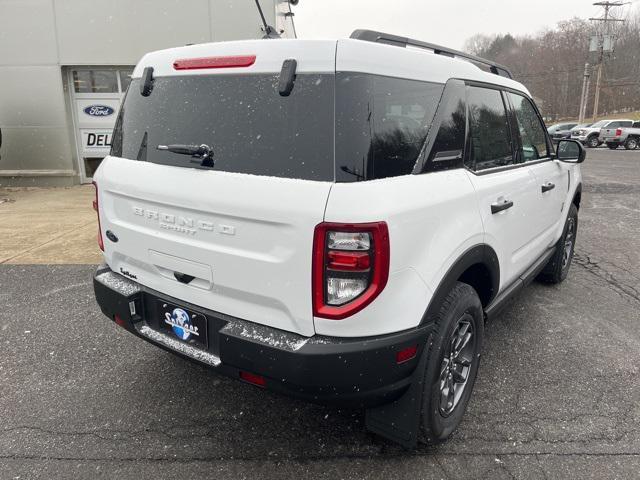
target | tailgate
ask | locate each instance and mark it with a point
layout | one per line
(233, 234)
(245, 239)
(608, 132)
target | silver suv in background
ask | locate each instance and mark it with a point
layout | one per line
(590, 136)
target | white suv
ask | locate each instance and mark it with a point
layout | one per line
(334, 220)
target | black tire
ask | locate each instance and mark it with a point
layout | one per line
(612, 146)
(558, 267)
(631, 143)
(592, 141)
(460, 315)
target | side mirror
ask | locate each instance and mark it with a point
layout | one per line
(570, 151)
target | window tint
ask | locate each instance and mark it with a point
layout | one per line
(381, 124)
(636, 124)
(534, 142)
(619, 124)
(95, 81)
(490, 141)
(448, 146)
(249, 126)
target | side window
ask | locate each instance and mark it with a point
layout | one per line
(636, 125)
(489, 136)
(381, 124)
(448, 146)
(534, 142)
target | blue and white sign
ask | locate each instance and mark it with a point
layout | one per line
(181, 324)
(99, 110)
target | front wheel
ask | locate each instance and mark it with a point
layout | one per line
(558, 267)
(592, 141)
(631, 143)
(452, 364)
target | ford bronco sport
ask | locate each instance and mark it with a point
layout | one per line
(334, 220)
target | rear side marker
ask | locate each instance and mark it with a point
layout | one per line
(235, 61)
(253, 379)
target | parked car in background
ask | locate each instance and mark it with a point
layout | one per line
(590, 136)
(560, 131)
(627, 136)
(579, 126)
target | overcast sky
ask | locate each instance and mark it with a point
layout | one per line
(446, 22)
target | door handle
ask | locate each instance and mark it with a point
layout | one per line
(548, 186)
(500, 206)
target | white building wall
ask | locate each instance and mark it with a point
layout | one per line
(40, 37)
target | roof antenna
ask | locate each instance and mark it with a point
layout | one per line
(269, 31)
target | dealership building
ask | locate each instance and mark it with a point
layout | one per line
(66, 64)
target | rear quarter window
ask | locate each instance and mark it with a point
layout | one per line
(381, 124)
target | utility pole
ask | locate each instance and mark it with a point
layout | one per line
(604, 44)
(585, 94)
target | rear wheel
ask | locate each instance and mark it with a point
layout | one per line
(453, 362)
(558, 267)
(592, 141)
(612, 146)
(631, 143)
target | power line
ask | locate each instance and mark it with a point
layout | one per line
(607, 20)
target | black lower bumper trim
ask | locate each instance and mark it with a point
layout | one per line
(344, 371)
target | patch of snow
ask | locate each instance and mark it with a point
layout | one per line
(185, 349)
(265, 335)
(119, 283)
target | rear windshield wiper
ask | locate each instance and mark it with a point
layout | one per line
(203, 153)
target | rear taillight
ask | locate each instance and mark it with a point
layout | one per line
(97, 209)
(350, 267)
(618, 132)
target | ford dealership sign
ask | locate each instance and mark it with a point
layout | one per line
(99, 110)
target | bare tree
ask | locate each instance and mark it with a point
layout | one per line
(551, 65)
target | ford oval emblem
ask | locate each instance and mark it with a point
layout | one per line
(99, 110)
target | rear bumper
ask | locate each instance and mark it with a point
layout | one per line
(359, 372)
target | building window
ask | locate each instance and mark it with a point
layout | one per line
(95, 81)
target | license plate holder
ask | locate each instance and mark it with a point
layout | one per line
(183, 324)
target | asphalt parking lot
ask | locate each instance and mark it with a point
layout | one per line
(557, 396)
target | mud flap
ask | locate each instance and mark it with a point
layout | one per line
(399, 421)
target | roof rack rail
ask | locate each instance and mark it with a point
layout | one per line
(389, 39)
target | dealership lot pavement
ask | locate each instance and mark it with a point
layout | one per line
(557, 396)
(44, 226)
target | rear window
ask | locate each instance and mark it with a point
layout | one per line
(381, 124)
(243, 118)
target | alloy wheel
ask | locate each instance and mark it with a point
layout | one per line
(456, 365)
(568, 242)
